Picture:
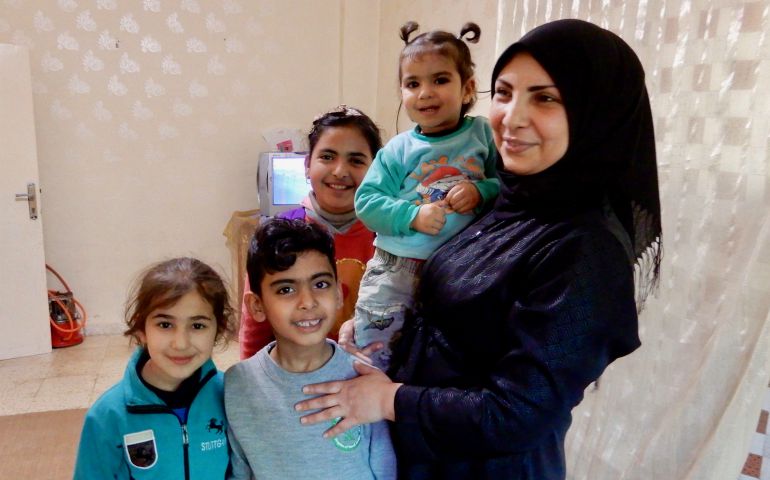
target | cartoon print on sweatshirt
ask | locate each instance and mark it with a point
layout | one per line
(437, 177)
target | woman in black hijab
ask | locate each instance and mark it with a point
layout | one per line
(526, 307)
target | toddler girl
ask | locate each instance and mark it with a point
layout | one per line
(165, 418)
(426, 184)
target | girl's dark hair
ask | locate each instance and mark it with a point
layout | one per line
(163, 284)
(344, 116)
(442, 43)
(276, 244)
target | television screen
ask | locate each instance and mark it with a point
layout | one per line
(289, 183)
(281, 182)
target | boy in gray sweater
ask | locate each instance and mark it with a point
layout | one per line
(293, 277)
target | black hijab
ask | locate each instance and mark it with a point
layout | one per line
(611, 152)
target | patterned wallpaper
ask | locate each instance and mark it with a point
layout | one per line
(150, 115)
(155, 70)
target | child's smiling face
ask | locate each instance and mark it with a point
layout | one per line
(337, 166)
(433, 92)
(180, 339)
(299, 303)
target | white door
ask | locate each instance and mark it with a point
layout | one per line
(24, 326)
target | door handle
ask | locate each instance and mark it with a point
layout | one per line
(31, 198)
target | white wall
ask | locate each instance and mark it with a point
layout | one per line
(360, 45)
(149, 118)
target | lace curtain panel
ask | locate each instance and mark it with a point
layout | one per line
(685, 405)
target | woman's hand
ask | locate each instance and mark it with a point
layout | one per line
(347, 340)
(367, 398)
(463, 197)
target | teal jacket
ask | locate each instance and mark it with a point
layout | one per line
(129, 433)
(413, 170)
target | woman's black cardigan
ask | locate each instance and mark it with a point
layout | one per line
(518, 314)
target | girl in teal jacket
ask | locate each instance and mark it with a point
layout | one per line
(165, 419)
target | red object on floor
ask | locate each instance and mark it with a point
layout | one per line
(66, 315)
(66, 338)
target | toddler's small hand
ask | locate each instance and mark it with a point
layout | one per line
(430, 218)
(347, 340)
(463, 197)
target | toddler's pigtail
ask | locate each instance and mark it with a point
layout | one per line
(407, 29)
(470, 28)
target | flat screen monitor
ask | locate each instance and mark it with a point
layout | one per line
(281, 182)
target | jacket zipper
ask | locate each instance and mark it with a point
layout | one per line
(167, 409)
(186, 447)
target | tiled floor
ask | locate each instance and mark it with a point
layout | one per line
(73, 377)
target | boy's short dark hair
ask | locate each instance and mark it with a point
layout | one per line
(276, 244)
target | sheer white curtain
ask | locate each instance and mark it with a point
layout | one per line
(684, 406)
